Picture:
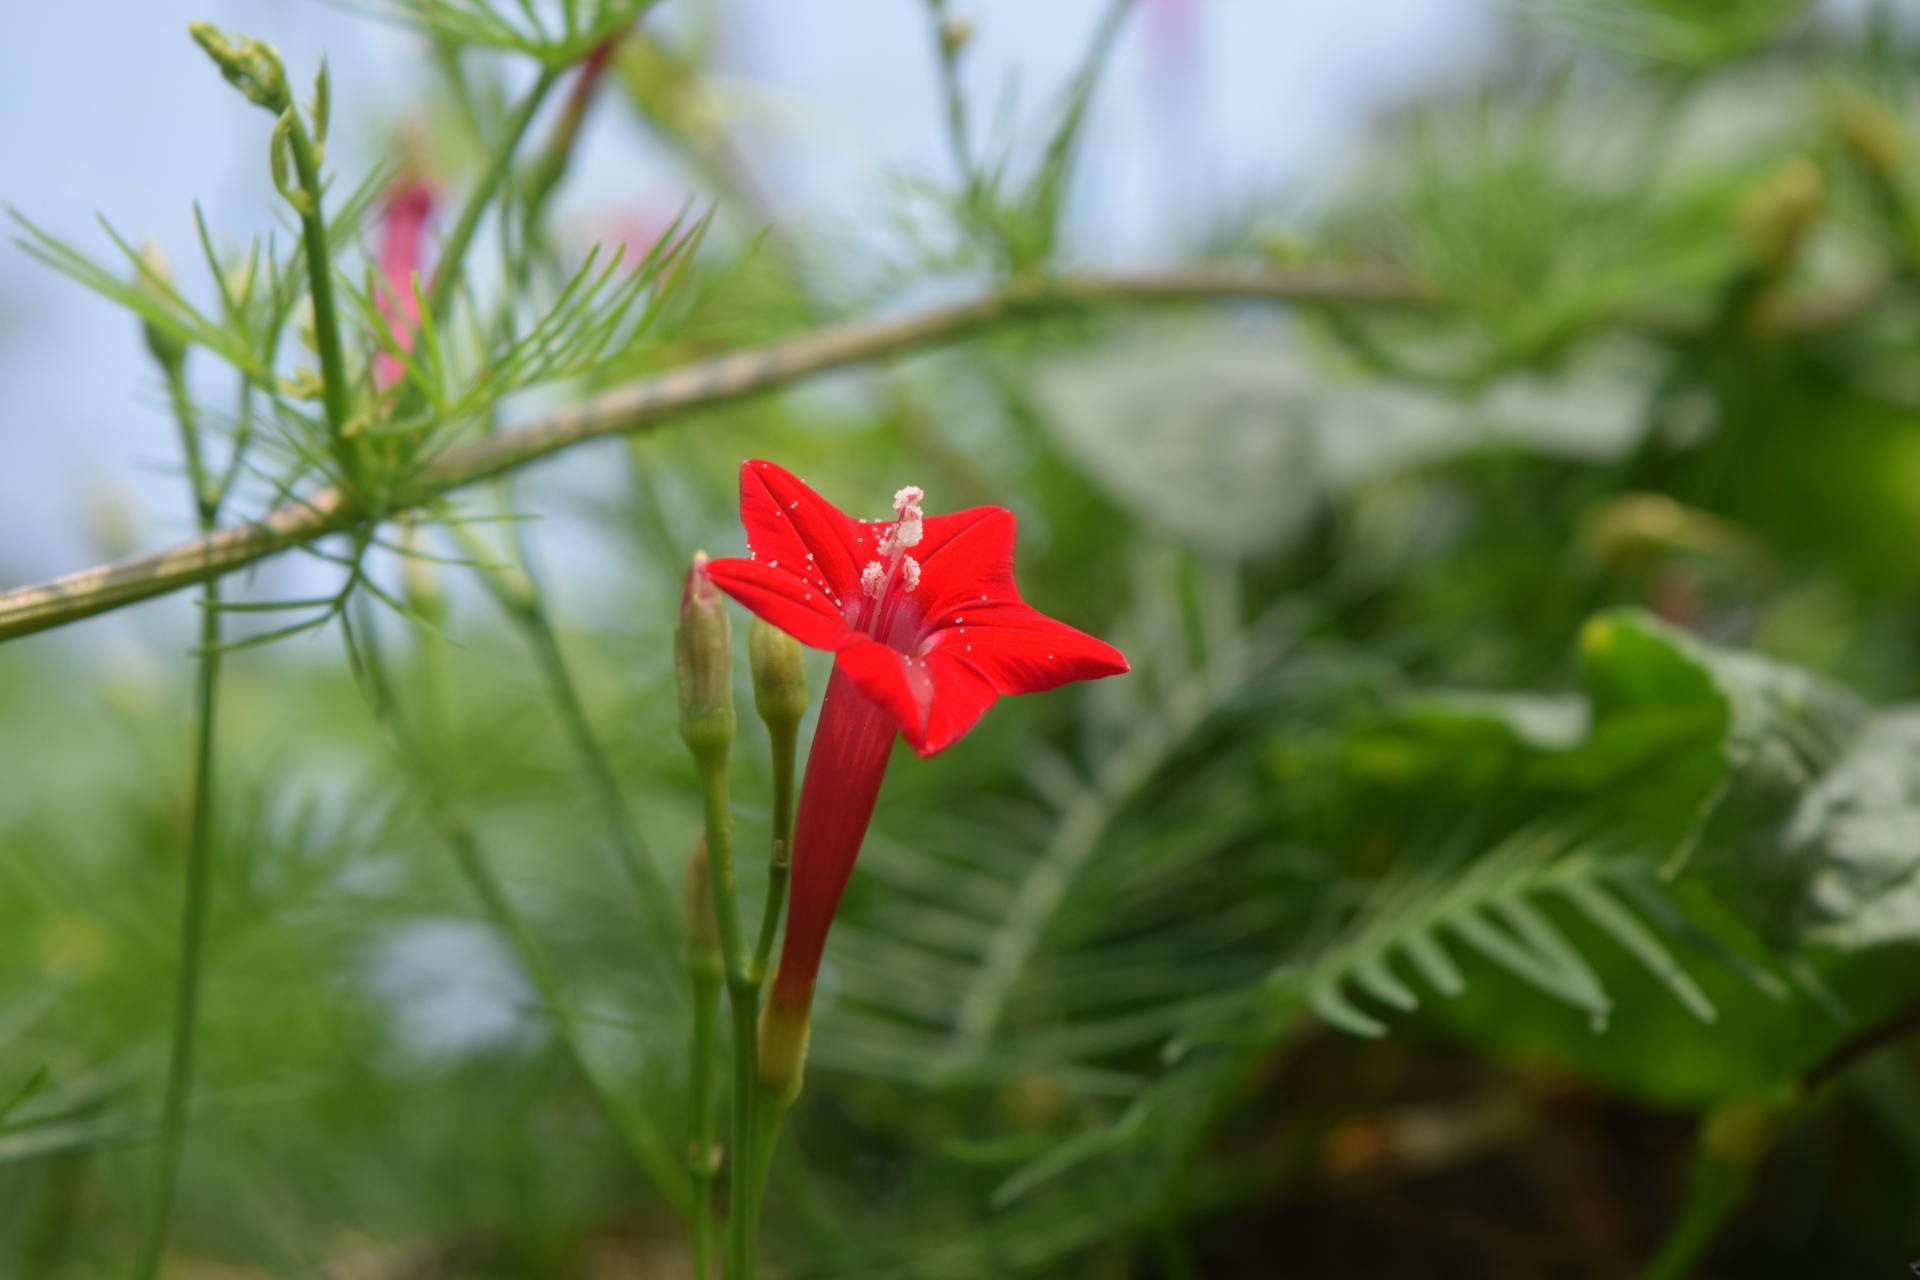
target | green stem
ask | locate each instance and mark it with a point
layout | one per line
(783, 737)
(237, 454)
(743, 1222)
(1734, 1141)
(206, 501)
(1176, 1257)
(193, 928)
(706, 996)
(638, 865)
(770, 1114)
(199, 887)
(454, 250)
(955, 98)
(635, 1129)
(523, 604)
(326, 318)
(743, 1003)
(522, 599)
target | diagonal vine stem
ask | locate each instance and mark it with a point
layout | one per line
(634, 1127)
(738, 376)
(517, 588)
(519, 597)
(654, 400)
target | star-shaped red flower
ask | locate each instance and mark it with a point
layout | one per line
(927, 629)
(928, 625)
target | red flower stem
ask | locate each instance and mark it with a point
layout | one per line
(844, 771)
(845, 767)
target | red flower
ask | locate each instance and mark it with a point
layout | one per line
(402, 227)
(927, 629)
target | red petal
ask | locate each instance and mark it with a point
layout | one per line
(789, 526)
(884, 675)
(796, 605)
(1021, 650)
(975, 639)
(965, 558)
(961, 695)
(934, 700)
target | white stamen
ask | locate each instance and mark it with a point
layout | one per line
(910, 572)
(907, 531)
(873, 579)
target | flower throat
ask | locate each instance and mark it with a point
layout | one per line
(883, 612)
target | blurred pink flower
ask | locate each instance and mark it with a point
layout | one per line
(1172, 29)
(403, 225)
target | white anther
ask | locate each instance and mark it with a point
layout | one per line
(873, 579)
(910, 572)
(906, 531)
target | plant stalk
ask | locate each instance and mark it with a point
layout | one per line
(634, 1127)
(453, 250)
(206, 500)
(705, 384)
(783, 738)
(193, 931)
(743, 1004)
(706, 998)
(199, 879)
(525, 607)
(335, 393)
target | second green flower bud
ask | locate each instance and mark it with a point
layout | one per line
(779, 674)
(703, 661)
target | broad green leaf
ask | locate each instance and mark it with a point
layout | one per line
(1858, 832)
(1776, 730)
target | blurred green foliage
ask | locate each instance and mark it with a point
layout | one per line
(1522, 724)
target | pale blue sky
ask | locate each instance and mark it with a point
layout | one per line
(106, 106)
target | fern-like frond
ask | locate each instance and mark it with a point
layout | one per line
(1493, 906)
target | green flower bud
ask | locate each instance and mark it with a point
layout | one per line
(156, 281)
(1778, 212)
(703, 661)
(779, 674)
(250, 65)
(955, 34)
(1873, 135)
